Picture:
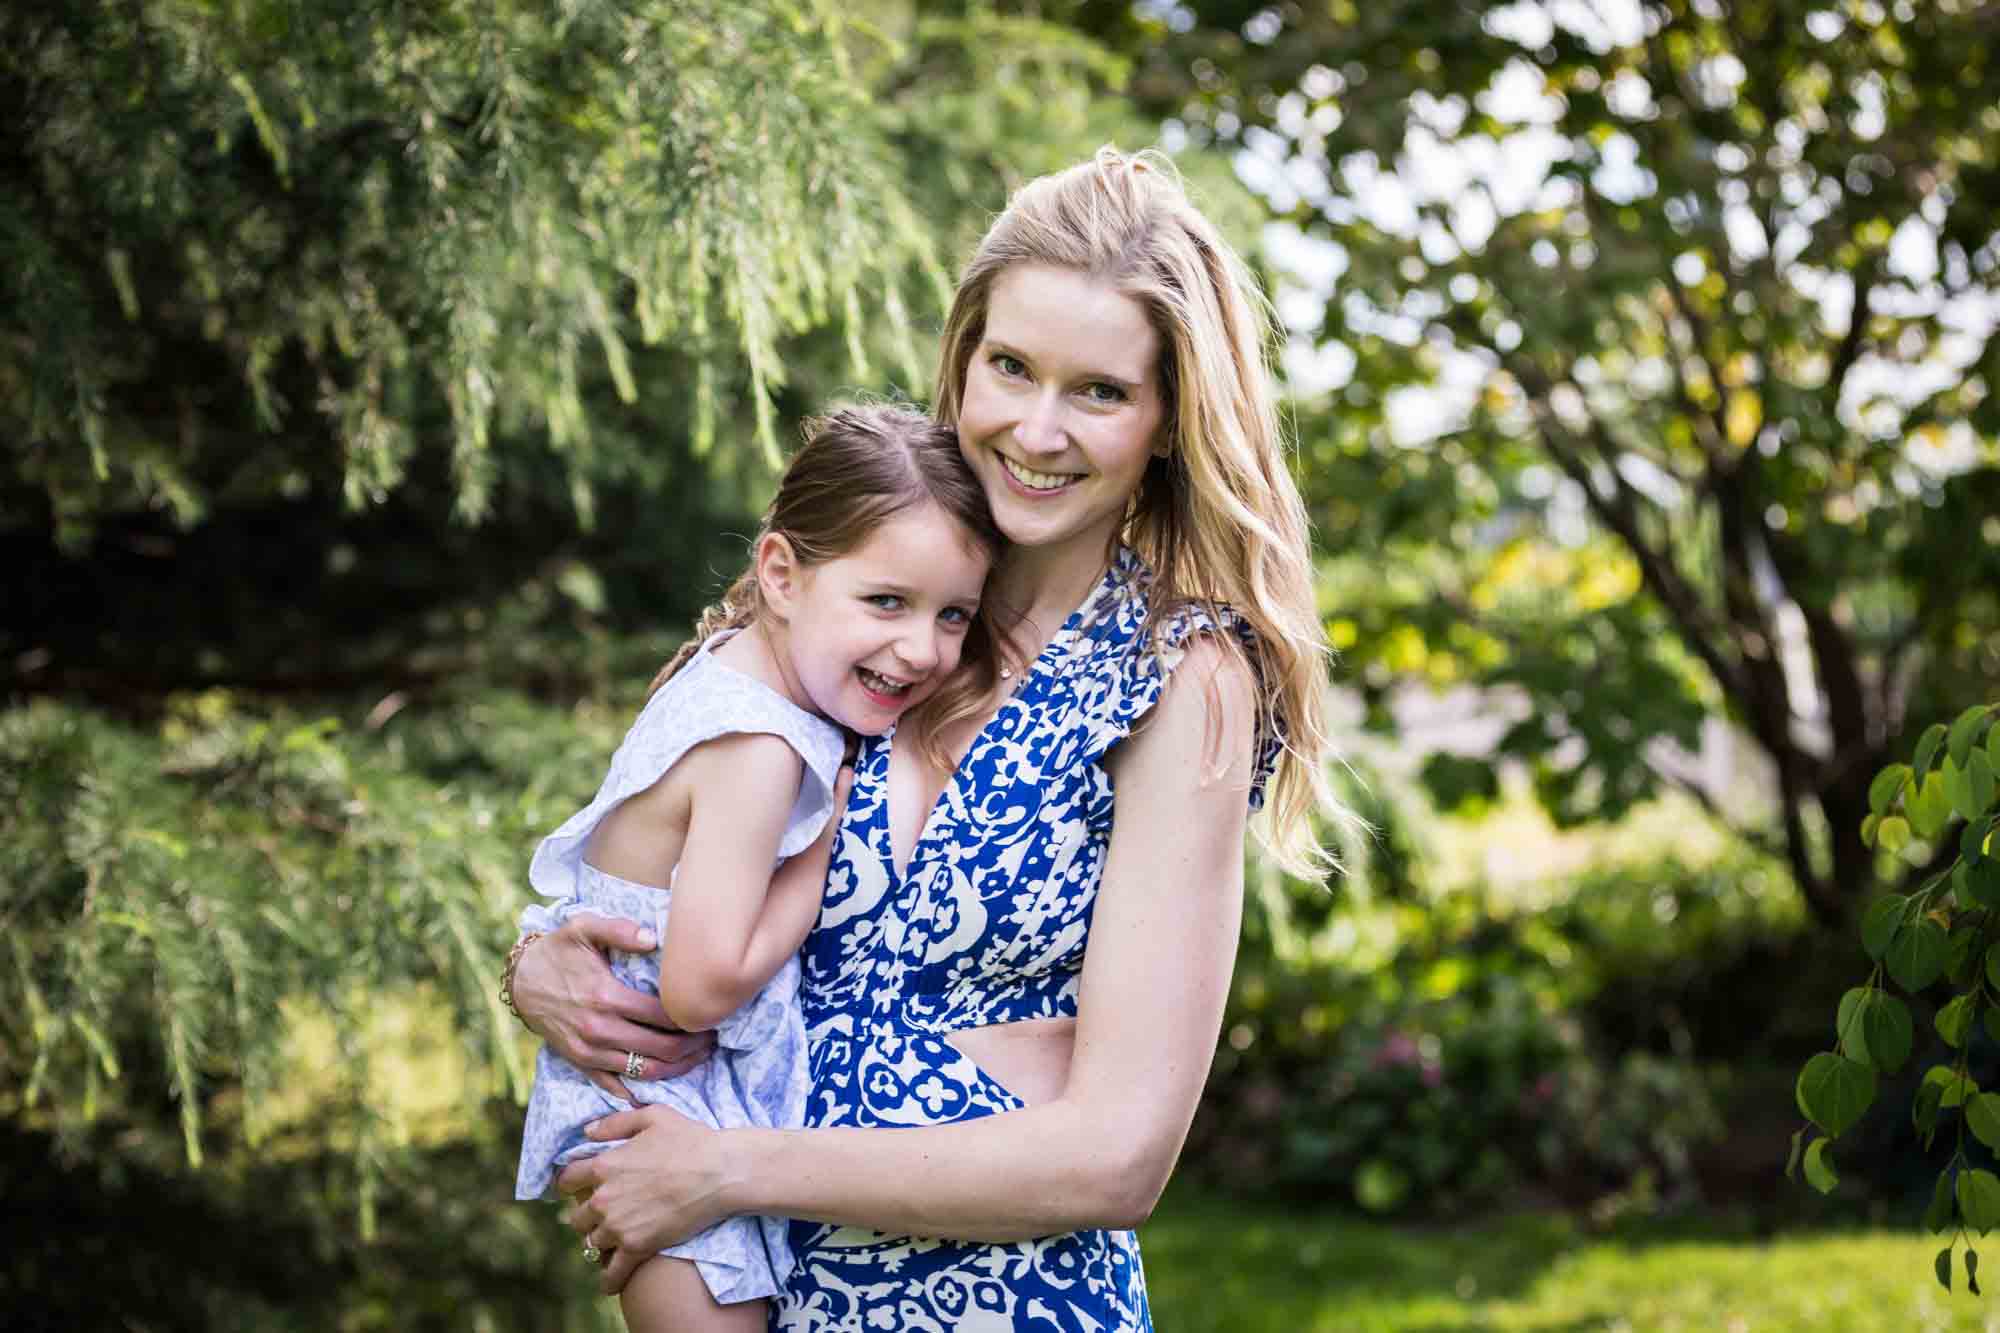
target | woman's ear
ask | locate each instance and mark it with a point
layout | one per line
(779, 574)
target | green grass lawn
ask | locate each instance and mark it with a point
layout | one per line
(1218, 1265)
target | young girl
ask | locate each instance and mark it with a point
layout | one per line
(1016, 983)
(861, 603)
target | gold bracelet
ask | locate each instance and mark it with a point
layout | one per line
(507, 972)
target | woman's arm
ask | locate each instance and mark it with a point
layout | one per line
(1162, 945)
(732, 926)
(566, 994)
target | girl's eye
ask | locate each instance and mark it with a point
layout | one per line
(884, 601)
(1008, 365)
(1099, 392)
(957, 616)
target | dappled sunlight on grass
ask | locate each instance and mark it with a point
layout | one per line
(1213, 1264)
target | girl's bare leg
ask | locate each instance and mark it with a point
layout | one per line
(668, 1296)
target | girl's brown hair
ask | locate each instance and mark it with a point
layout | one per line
(860, 466)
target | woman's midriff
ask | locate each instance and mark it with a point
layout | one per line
(1029, 1058)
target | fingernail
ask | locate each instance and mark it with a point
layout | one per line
(590, 1130)
(647, 939)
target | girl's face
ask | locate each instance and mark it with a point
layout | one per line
(1063, 407)
(870, 634)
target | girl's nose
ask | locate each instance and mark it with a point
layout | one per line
(918, 648)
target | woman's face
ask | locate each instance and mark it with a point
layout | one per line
(1063, 407)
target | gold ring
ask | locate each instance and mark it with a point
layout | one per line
(634, 1062)
(591, 1254)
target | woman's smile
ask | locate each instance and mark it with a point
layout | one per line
(1063, 408)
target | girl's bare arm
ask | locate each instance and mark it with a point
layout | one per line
(1162, 946)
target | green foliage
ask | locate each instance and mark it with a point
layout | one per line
(249, 982)
(367, 234)
(1706, 437)
(1426, 1055)
(1229, 1265)
(1947, 931)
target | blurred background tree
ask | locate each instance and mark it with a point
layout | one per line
(1650, 346)
(384, 386)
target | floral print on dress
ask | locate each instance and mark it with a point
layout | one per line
(987, 924)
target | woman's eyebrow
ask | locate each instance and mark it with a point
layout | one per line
(1001, 345)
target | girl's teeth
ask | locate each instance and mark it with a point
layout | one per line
(882, 684)
(1040, 481)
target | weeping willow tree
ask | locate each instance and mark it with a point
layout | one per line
(375, 381)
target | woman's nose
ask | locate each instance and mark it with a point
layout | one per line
(1040, 429)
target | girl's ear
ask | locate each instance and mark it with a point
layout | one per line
(778, 574)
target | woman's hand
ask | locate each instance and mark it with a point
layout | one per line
(568, 997)
(659, 1188)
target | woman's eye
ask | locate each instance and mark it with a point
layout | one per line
(1100, 392)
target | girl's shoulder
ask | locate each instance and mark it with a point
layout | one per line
(707, 699)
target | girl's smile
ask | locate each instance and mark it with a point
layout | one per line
(868, 635)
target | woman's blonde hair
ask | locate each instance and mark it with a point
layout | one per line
(1217, 517)
(859, 467)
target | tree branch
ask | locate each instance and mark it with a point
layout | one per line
(1618, 513)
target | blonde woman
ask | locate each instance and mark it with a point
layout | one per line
(1021, 963)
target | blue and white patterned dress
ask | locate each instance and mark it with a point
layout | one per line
(987, 924)
(758, 1074)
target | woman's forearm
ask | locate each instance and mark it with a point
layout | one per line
(1035, 1172)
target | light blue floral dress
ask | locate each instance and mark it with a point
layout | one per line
(988, 924)
(757, 1076)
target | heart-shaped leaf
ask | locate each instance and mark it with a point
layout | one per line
(1834, 1091)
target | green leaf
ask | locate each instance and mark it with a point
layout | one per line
(1962, 964)
(1888, 1032)
(1918, 954)
(1972, 1270)
(1819, 1172)
(1953, 778)
(1892, 835)
(1792, 1157)
(1930, 811)
(1847, 1018)
(1942, 1266)
(1978, 785)
(1953, 1087)
(1972, 843)
(1989, 1018)
(1927, 747)
(1869, 825)
(1880, 924)
(1993, 964)
(1938, 1216)
(1993, 748)
(1964, 731)
(1982, 881)
(1924, 1109)
(1833, 1091)
(1886, 787)
(1955, 1019)
(1978, 1199)
(1982, 1117)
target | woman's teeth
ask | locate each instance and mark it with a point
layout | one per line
(1036, 481)
(882, 684)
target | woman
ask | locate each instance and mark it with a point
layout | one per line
(1104, 364)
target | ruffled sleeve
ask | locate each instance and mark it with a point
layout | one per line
(703, 701)
(1140, 667)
